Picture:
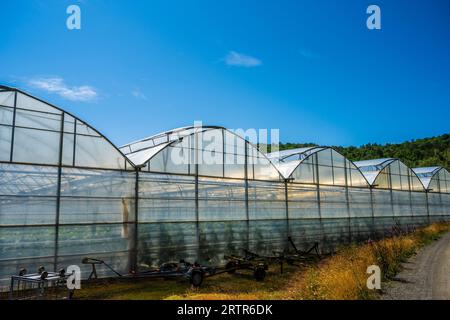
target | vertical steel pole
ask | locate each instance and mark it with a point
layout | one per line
(74, 140)
(58, 194)
(372, 207)
(441, 203)
(319, 206)
(410, 197)
(391, 191)
(247, 214)
(286, 197)
(11, 150)
(197, 218)
(347, 200)
(135, 248)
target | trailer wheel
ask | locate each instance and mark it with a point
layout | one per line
(230, 267)
(259, 274)
(196, 278)
(44, 275)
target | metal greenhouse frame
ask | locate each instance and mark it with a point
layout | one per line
(194, 193)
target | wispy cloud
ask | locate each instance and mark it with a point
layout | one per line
(308, 54)
(138, 94)
(57, 86)
(237, 59)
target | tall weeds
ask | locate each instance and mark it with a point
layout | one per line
(343, 276)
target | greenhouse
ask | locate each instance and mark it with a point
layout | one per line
(434, 179)
(396, 189)
(194, 193)
(390, 174)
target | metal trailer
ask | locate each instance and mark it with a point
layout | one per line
(258, 265)
(253, 261)
(308, 254)
(193, 272)
(40, 285)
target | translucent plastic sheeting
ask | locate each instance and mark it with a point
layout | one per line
(390, 173)
(435, 179)
(209, 151)
(66, 192)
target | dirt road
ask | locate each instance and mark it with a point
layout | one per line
(426, 275)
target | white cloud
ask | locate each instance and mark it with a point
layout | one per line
(234, 58)
(138, 94)
(308, 54)
(58, 86)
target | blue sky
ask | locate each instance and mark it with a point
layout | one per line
(309, 68)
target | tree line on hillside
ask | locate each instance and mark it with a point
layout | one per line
(434, 151)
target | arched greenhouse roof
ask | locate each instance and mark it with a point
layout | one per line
(288, 160)
(141, 151)
(434, 179)
(208, 150)
(35, 131)
(321, 164)
(426, 173)
(390, 173)
(293, 154)
(371, 168)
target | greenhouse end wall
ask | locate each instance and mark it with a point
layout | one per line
(66, 193)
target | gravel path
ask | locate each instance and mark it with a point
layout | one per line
(425, 276)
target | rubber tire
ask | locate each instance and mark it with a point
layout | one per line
(259, 274)
(231, 265)
(196, 278)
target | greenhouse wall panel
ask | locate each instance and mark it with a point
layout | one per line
(66, 192)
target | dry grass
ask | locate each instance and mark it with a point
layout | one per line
(341, 276)
(239, 286)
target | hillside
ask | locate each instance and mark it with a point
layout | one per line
(424, 152)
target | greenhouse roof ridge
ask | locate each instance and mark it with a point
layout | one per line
(287, 166)
(285, 161)
(372, 168)
(140, 152)
(380, 162)
(168, 132)
(427, 170)
(284, 154)
(426, 174)
(4, 88)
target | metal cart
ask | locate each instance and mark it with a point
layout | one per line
(40, 285)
